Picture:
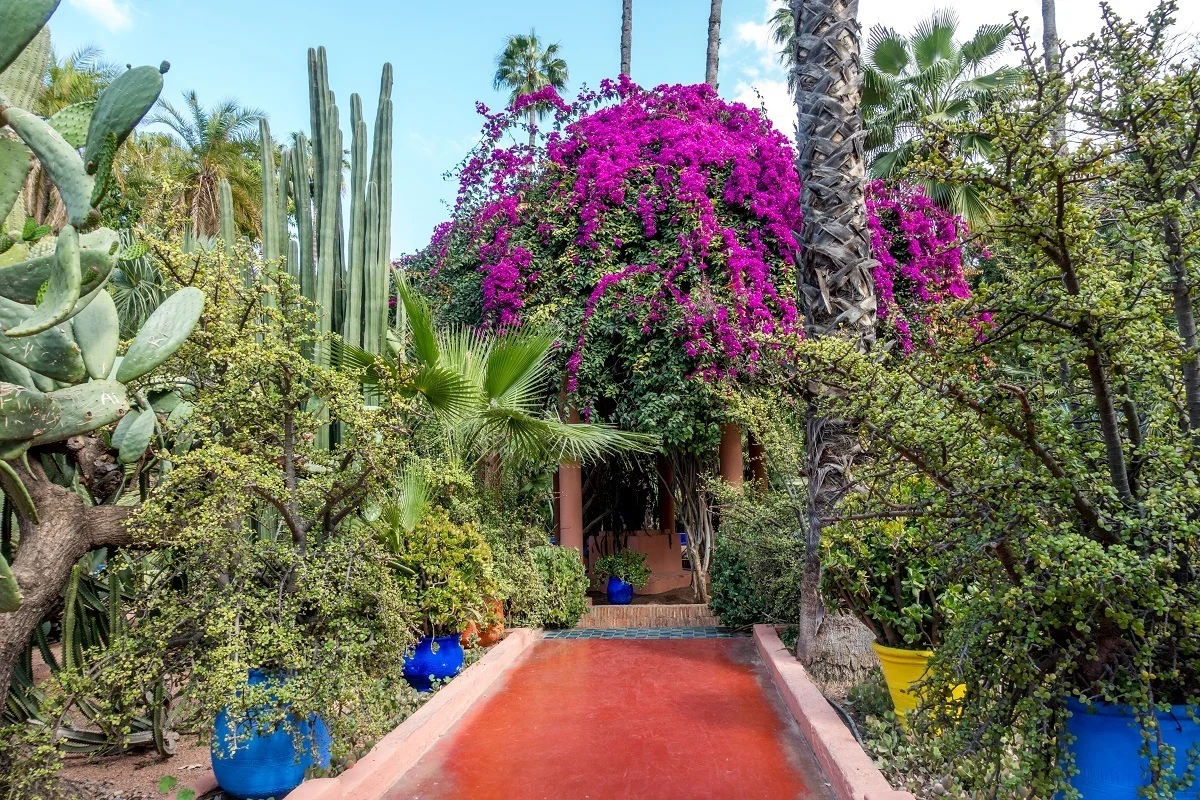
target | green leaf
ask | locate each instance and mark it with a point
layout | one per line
(888, 50)
(166, 783)
(168, 327)
(420, 322)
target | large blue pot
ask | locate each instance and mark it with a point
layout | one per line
(1107, 746)
(436, 658)
(259, 763)
(620, 593)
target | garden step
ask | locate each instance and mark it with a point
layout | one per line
(690, 615)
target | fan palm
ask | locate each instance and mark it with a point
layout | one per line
(524, 67)
(912, 83)
(78, 78)
(487, 390)
(218, 142)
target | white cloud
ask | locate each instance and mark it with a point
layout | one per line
(116, 15)
(773, 95)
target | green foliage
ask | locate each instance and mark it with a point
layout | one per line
(757, 562)
(564, 587)
(627, 565)
(451, 565)
(890, 573)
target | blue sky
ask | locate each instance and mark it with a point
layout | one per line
(443, 54)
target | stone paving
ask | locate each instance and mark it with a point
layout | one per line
(623, 714)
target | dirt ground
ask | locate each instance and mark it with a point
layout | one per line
(134, 777)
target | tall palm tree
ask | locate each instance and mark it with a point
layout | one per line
(714, 43)
(524, 68)
(218, 142)
(783, 32)
(626, 35)
(930, 78)
(836, 279)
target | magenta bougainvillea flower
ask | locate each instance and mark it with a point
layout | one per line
(666, 215)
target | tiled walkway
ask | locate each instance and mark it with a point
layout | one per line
(623, 717)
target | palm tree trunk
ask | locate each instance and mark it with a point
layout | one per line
(532, 117)
(1053, 56)
(836, 278)
(626, 34)
(714, 43)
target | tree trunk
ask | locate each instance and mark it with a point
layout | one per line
(1053, 57)
(836, 279)
(626, 35)
(691, 500)
(532, 117)
(45, 555)
(714, 43)
(1185, 318)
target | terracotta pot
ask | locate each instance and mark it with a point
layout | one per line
(490, 635)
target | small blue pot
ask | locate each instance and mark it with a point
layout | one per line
(428, 663)
(620, 593)
(257, 764)
(1107, 744)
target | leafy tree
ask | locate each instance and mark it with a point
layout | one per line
(217, 143)
(524, 67)
(929, 78)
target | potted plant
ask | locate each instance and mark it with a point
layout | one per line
(887, 573)
(450, 565)
(624, 570)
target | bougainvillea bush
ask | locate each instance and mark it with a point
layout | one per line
(657, 231)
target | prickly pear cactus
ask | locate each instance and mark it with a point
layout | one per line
(59, 330)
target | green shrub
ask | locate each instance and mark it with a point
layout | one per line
(627, 565)
(452, 564)
(757, 562)
(564, 586)
(891, 573)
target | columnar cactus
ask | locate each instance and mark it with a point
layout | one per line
(59, 332)
(347, 279)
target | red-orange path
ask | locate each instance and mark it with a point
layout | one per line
(624, 718)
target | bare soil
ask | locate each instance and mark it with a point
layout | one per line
(134, 776)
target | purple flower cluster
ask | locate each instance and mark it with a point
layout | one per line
(919, 247)
(695, 197)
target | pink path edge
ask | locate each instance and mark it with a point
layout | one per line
(847, 767)
(373, 776)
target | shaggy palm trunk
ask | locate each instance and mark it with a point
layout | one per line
(626, 35)
(714, 43)
(45, 555)
(836, 280)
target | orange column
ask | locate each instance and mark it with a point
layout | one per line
(758, 459)
(731, 454)
(570, 501)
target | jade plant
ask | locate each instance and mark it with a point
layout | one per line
(62, 382)
(627, 565)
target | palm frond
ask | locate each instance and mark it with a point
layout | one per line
(987, 43)
(420, 323)
(516, 368)
(933, 39)
(450, 396)
(887, 50)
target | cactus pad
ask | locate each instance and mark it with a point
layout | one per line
(62, 289)
(162, 334)
(61, 161)
(51, 353)
(120, 108)
(24, 48)
(15, 163)
(84, 408)
(72, 122)
(97, 256)
(24, 413)
(97, 329)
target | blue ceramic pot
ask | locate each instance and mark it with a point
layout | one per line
(620, 593)
(436, 658)
(259, 762)
(1107, 745)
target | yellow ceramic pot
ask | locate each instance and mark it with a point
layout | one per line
(901, 669)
